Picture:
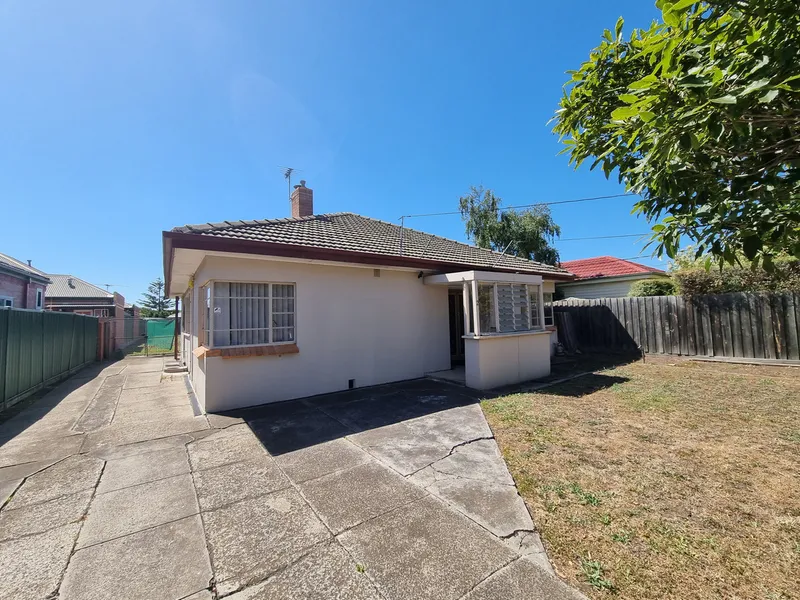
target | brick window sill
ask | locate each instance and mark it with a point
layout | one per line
(246, 351)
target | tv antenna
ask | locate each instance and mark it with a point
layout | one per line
(109, 285)
(287, 175)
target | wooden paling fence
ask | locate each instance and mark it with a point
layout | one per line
(739, 325)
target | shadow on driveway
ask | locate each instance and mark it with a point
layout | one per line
(288, 426)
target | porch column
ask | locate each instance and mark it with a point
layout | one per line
(465, 298)
(541, 304)
(476, 318)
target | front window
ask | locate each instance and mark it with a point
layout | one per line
(508, 307)
(6, 302)
(39, 296)
(249, 314)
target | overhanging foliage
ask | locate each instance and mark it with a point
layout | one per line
(700, 115)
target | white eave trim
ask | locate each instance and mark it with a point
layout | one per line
(461, 276)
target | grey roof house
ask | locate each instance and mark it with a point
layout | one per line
(68, 293)
(285, 308)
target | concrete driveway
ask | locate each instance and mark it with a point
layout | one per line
(112, 487)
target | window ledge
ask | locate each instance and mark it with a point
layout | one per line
(485, 336)
(246, 351)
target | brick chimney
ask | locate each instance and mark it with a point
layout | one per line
(302, 201)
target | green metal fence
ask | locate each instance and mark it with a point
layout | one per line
(39, 348)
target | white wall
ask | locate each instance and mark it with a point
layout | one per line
(492, 361)
(350, 325)
(598, 289)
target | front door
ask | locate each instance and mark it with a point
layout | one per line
(456, 303)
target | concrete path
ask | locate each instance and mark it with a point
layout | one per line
(111, 487)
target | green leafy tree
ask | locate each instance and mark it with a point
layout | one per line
(700, 114)
(154, 303)
(652, 287)
(526, 233)
(692, 278)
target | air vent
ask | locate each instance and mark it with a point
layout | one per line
(376, 272)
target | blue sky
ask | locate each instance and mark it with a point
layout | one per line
(119, 120)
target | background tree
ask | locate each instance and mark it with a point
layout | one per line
(652, 287)
(692, 278)
(526, 233)
(154, 303)
(701, 115)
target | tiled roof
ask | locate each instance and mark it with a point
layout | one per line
(9, 262)
(69, 286)
(351, 232)
(607, 266)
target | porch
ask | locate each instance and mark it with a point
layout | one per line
(497, 328)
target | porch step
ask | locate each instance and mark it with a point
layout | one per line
(174, 366)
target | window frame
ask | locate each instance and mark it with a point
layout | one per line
(494, 306)
(207, 290)
(549, 315)
(6, 299)
(39, 299)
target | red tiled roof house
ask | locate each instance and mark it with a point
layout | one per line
(604, 277)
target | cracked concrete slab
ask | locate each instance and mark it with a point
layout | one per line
(134, 448)
(18, 472)
(117, 435)
(7, 488)
(498, 508)
(230, 445)
(399, 538)
(101, 408)
(32, 565)
(237, 481)
(141, 468)
(425, 551)
(133, 509)
(164, 395)
(41, 517)
(522, 580)
(401, 448)
(480, 460)
(165, 413)
(347, 498)
(325, 573)
(252, 539)
(453, 426)
(25, 450)
(162, 563)
(322, 459)
(67, 477)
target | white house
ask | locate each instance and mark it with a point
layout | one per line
(280, 309)
(605, 277)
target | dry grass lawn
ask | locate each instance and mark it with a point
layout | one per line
(663, 480)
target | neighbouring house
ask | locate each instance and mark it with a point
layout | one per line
(68, 293)
(287, 308)
(604, 277)
(21, 285)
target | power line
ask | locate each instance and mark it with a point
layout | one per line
(603, 237)
(572, 201)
